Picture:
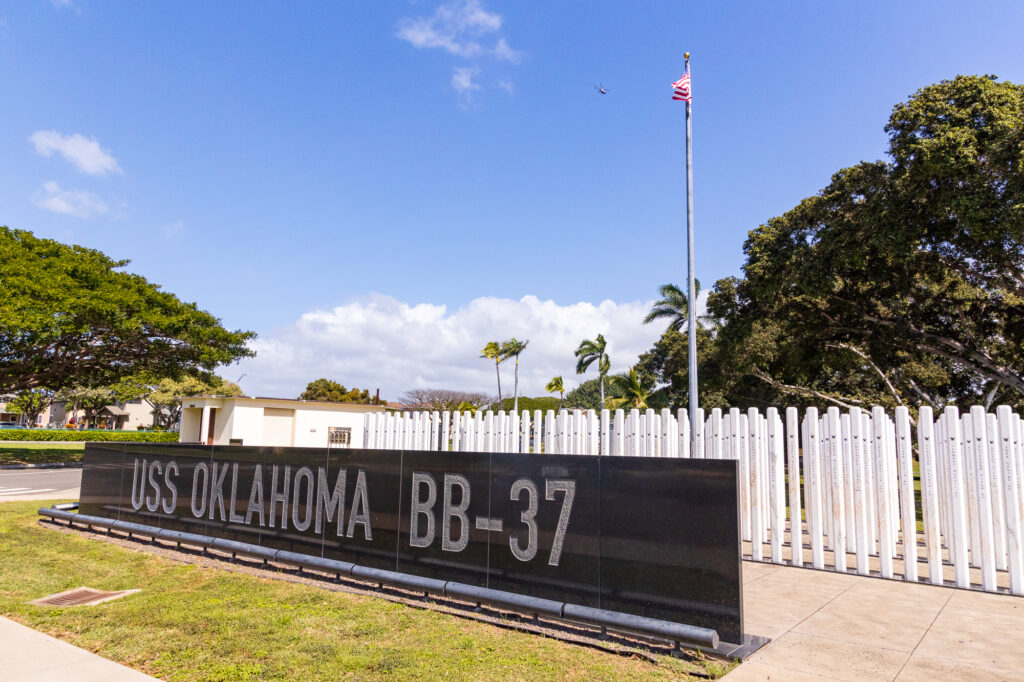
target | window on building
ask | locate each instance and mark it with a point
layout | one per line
(339, 437)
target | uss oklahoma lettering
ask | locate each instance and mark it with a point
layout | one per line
(304, 498)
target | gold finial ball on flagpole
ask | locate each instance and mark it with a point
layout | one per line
(686, 55)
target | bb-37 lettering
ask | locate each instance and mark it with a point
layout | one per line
(455, 497)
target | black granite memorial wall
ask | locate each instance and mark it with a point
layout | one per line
(647, 536)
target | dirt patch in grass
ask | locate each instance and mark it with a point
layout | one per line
(200, 621)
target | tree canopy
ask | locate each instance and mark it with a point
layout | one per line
(331, 391)
(442, 398)
(69, 316)
(31, 402)
(900, 282)
(166, 398)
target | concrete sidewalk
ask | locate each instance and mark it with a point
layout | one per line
(835, 626)
(30, 656)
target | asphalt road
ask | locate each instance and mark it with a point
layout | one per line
(39, 484)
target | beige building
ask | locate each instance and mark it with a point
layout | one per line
(278, 422)
(129, 416)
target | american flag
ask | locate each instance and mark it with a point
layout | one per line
(681, 88)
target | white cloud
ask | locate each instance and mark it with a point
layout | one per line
(73, 202)
(83, 152)
(383, 342)
(506, 53)
(454, 28)
(462, 80)
(507, 86)
(174, 229)
(461, 28)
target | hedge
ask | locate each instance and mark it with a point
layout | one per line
(543, 403)
(106, 436)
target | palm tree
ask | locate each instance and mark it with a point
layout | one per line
(587, 353)
(673, 305)
(512, 348)
(630, 392)
(556, 386)
(492, 351)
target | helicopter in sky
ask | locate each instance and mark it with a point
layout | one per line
(600, 88)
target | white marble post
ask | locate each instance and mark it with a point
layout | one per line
(929, 494)
(908, 506)
(776, 495)
(796, 533)
(996, 490)
(1008, 444)
(700, 433)
(860, 483)
(715, 436)
(971, 478)
(958, 493)
(744, 476)
(684, 432)
(882, 497)
(619, 443)
(828, 487)
(756, 503)
(606, 436)
(665, 420)
(839, 511)
(812, 461)
(984, 498)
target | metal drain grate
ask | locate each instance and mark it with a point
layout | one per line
(81, 596)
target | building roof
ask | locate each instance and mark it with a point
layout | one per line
(357, 407)
(116, 411)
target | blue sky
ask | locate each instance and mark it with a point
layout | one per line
(375, 187)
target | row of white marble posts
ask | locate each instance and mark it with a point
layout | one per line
(837, 483)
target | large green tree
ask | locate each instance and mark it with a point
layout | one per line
(71, 316)
(901, 281)
(166, 395)
(586, 396)
(31, 402)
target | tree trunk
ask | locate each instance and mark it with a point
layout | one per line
(990, 397)
(515, 400)
(497, 370)
(602, 392)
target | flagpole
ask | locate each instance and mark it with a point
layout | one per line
(691, 297)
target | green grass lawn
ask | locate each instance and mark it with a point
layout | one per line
(192, 622)
(30, 452)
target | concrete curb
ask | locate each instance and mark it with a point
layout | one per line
(44, 465)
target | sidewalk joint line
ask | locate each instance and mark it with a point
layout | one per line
(926, 631)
